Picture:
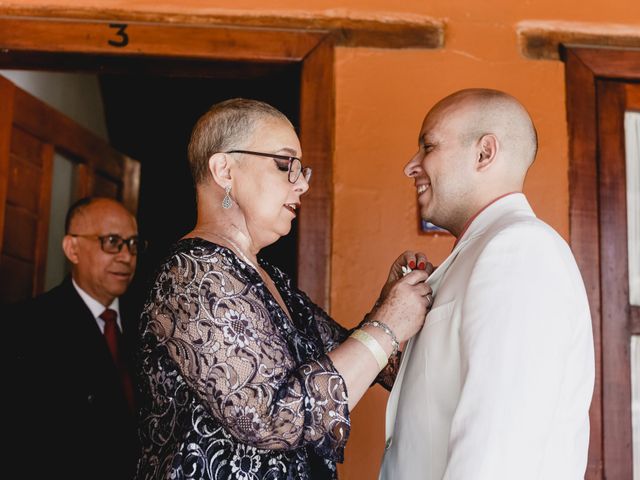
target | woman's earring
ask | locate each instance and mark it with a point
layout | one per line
(226, 201)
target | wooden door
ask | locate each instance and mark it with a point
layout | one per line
(620, 319)
(602, 84)
(194, 46)
(30, 133)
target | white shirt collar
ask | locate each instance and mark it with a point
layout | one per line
(96, 307)
(491, 213)
(494, 211)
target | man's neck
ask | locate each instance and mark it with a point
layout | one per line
(478, 212)
(93, 303)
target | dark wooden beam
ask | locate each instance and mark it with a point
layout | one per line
(137, 39)
(616, 386)
(317, 121)
(393, 32)
(7, 92)
(584, 223)
(543, 40)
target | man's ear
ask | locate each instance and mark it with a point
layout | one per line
(219, 169)
(70, 248)
(487, 151)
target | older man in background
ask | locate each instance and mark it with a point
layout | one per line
(72, 349)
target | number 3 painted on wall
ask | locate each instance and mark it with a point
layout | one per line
(124, 38)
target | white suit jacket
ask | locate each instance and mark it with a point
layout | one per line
(497, 385)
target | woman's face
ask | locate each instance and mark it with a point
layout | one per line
(266, 198)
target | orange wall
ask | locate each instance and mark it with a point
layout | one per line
(381, 98)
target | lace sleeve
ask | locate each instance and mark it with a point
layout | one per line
(220, 334)
(333, 334)
(387, 376)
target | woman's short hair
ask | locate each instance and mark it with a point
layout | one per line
(226, 126)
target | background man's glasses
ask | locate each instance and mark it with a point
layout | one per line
(293, 164)
(113, 243)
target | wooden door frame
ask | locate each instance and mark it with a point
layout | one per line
(66, 43)
(586, 69)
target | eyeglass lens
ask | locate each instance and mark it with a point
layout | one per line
(296, 168)
(114, 244)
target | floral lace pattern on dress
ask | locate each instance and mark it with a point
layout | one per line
(235, 388)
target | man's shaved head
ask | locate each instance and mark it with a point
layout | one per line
(492, 111)
(474, 146)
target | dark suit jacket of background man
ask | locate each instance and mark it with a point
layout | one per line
(68, 404)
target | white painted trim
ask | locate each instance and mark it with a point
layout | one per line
(632, 143)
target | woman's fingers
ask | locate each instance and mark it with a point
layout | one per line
(418, 280)
(416, 276)
(421, 261)
(423, 289)
(414, 261)
(410, 259)
(407, 258)
(429, 299)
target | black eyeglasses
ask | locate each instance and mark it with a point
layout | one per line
(293, 165)
(113, 243)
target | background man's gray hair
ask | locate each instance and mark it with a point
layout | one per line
(226, 126)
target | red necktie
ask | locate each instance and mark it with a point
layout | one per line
(112, 337)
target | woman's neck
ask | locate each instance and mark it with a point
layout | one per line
(231, 237)
(236, 240)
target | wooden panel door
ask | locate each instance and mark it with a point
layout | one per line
(602, 83)
(619, 318)
(30, 133)
(194, 46)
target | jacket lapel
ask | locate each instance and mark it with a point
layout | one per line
(487, 217)
(434, 282)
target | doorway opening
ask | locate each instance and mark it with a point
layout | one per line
(150, 118)
(162, 78)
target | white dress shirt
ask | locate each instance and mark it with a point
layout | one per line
(97, 308)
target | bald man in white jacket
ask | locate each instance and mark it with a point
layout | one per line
(498, 384)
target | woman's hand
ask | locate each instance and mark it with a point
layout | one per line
(406, 303)
(409, 259)
(403, 306)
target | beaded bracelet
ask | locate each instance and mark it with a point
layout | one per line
(387, 330)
